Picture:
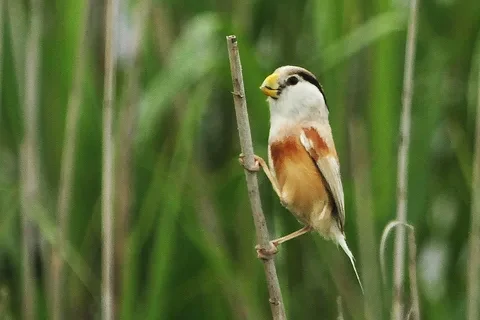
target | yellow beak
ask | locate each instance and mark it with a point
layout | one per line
(270, 86)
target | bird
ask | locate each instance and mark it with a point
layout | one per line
(303, 165)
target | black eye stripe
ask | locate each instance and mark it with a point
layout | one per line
(311, 79)
(308, 77)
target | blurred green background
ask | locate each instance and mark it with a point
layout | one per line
(184, 234)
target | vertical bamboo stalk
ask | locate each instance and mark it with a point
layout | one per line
(339, 308)
(2, 12)
(412, 273)
(474, 247)
(276, 300)
(29, 161)
(402, 169)
(108, 185)
(412, 263)
(67, 169)
(127, 119)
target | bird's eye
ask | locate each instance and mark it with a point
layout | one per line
(292, 81)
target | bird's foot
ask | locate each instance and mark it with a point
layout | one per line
(256, 165)
(266, 253)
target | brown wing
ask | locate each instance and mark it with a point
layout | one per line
(327, 162)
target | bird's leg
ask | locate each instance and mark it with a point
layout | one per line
(264, 253)
(291, 236)
(259, 162)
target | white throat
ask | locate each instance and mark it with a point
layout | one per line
(302, 104)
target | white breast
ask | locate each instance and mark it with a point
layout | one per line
(299, 105)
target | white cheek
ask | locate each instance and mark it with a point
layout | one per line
(297, 104)
(306, 96)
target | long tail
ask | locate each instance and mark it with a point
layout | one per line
(340, 238)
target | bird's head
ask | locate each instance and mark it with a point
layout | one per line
(294, 92)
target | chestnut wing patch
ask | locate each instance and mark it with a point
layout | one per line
(328, 165)
(281, 152)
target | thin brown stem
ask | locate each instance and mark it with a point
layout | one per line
(412, 263)
(2, 15)
(276, 301)
(402, 166)
(412, 274)
(67, 169)
(124, 168)
(474, 247)
(339, 308)
(259, 162)
(108, 162)
(29, 161)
